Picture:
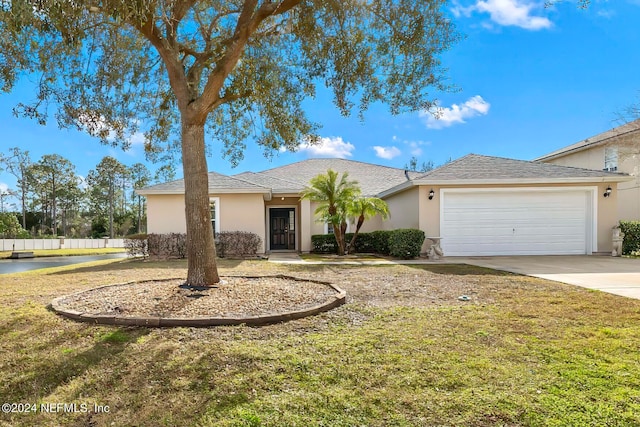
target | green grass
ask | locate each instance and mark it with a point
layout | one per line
(66, 252)
(524, 352)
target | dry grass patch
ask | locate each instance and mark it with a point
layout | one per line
(403, 351)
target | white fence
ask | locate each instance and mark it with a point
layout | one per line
(58, 243)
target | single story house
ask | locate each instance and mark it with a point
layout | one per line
(477, 205)
(618, 150)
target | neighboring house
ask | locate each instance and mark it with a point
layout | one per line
(618, 150)
(478, 205)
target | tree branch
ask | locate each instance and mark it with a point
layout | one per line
(175, 71)
(248, 23)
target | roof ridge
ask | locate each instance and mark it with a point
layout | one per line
(244, 180)
(268, 176)
(334, 159)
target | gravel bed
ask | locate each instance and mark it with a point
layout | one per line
(234, 297)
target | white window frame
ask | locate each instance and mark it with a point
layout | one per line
(326, 227)
(216, 210)
(611, 159)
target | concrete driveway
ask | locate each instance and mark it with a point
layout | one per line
(620, 276)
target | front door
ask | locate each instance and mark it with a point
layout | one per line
(282, 228)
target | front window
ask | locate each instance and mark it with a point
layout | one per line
(214, 205)
(328, 227)
(611, 159)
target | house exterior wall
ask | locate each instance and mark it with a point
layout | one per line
(165, 214)
(629, 192)
(238, 212)
(243, 212)
(404, 210)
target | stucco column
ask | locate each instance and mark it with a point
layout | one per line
(306, 216)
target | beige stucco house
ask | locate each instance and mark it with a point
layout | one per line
(476, 205)
(618, 150)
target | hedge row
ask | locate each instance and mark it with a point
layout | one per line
(631, 242)
(401, 243)
(174, 245)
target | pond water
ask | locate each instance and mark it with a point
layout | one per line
(25, 264)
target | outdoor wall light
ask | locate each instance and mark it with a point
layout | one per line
(431, 194)
(607, 192)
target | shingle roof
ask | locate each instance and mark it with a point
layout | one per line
(474, 167)
(627, 129)
(217, 183)
(277, 185)
(383, 180)
(371, 178)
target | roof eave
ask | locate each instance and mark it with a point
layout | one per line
(575, 180)
(143, 192)
(397, 189)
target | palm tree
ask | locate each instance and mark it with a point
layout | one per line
(365, 208)
(333, 193)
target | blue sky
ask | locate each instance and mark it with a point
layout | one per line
(530, 80)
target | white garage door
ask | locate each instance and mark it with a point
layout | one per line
(522, 222)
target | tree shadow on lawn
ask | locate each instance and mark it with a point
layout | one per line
(139, 264)
(460, 270)
(40, 378)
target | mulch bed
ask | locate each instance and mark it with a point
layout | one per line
(234, 297)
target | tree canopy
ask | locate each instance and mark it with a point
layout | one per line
(240, 68)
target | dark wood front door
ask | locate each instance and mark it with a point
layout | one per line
(282, 228)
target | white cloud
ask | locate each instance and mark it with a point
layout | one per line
(387, 152)
(3, 187)
(328, 147)
(508, 13)
(442, 117)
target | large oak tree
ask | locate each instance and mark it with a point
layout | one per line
(233, 70)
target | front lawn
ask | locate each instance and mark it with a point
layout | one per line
(403, 351)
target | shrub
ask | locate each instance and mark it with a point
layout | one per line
(172, 245)
(324, 244)
(376, 242)
(137, 245)
(380, 241)
(406, 243)
(237, 243)
(631, 242)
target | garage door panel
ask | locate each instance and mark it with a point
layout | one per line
(515, 223)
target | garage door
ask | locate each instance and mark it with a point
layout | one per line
(522, 222)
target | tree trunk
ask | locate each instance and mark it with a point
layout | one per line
(23, 189)
(201, 251)
(353, 239)
(54, 218)
(111, 202)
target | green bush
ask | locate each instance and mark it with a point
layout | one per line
(631, 242)
(406, 243)
(10, 228)
(380, 241)
(324, 244)
(377, 242)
